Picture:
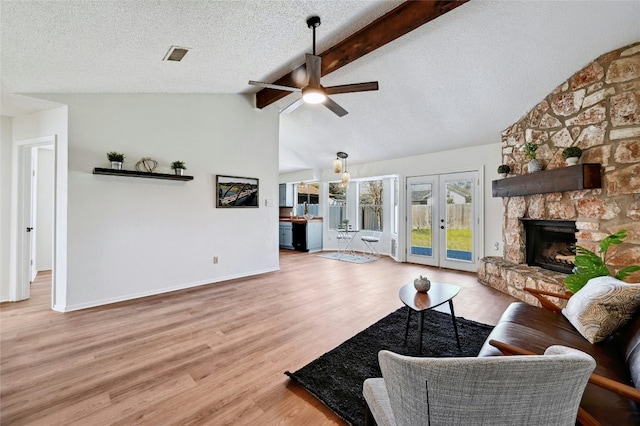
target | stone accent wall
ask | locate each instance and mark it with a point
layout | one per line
(598, 110)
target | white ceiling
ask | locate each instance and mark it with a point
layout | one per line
(457, 81)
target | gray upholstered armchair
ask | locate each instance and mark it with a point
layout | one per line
(516, 390)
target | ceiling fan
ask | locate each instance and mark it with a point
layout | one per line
(314, 92)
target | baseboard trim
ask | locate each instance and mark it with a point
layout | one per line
(109, 301)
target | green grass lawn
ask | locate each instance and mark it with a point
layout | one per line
(458, 239)
(421, 237)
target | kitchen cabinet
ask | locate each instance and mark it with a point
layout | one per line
(286, 195)
(314, 236)
(286, 235)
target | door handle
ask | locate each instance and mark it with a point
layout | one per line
(29, 229)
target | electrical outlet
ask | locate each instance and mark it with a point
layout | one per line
(215, 260)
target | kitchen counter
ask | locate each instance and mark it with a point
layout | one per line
(300, 219)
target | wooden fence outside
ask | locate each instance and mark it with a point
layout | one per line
(458, 216)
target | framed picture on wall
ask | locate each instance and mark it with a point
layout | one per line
(234, 191)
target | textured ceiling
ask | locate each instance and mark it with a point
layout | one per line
(454, 82)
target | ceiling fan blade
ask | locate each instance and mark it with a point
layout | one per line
(274, 86)
(314, 63)
(333, 106)
(293, 106)
(348, 88)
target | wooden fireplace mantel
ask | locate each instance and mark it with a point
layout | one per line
(570, 178)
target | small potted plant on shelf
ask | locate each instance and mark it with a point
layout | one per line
(503, 170)
(116, 159)
(529, 149)
(178, 167)
(571, 155)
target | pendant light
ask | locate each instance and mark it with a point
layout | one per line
(340, 165)
(345, 176)
(337, 165)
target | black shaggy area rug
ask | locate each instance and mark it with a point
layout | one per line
(336, 377)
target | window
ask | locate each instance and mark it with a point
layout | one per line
(308, 199)
(337, 204)
(371, 205)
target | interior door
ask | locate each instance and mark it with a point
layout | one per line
(442, 220)
(24, 274)
(33, 209)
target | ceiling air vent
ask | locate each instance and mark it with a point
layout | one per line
(176, 53)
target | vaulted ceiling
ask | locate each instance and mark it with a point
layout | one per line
(456, 81)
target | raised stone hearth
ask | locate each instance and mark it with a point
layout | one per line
(512, 278)
(597, 110)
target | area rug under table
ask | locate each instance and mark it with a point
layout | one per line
(336, 377)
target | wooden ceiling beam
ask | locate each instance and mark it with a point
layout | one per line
(403, 19)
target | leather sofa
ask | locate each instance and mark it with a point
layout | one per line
(610, 397)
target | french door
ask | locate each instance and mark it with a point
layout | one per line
(442, 220)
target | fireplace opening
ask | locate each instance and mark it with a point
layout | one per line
(550, 244)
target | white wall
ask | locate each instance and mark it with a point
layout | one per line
(44, 211)
(131, 237)
(6, 125)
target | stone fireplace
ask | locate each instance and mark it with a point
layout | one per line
(597, 110)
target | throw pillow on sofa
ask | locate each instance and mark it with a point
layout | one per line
(602, 306)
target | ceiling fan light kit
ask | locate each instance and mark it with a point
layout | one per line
(313, 92)
(313, 95)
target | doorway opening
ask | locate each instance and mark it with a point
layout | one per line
(35, 225)
(42, 207)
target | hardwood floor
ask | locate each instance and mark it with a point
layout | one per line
(211, 355)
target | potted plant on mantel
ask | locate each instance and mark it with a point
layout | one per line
(571, 155)
(178, 167)
(116, 159)
(503, 170)
(529, 149)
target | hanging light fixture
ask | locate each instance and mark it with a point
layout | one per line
(337, 165)
(345, 175)
(340, 165)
